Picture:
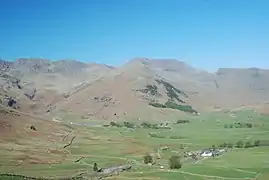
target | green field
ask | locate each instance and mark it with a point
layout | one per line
(108, 146)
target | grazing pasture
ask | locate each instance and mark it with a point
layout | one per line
(113, 146)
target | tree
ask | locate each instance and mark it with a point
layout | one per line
(148, 159)
(248, 144)
(257, 143)
(239, 144)
(114, 124)
(128, 125)
(154, 126)
(146, 125)
(249, 125)
(95, 168)
(214, 147)
(223, 145)
(174, 162)
(230, 145)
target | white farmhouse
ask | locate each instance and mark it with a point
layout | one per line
(207, 154)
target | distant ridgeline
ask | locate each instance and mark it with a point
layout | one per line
(173, 96)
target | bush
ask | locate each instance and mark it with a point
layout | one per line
(239, 144)
(154, 126)
(214, 147)
(152, 89)
(145, 125)
(230, 145)
(174, 162)
(182, 121)
(114, 124)
(157, 105)
(257, 143)
(248, 144)
(223, 145)
(243, 125)
(248, 125)
(148, 159)
(171, 91)
(172, 105)
(186, 108)
(128, 125)
(95, 168)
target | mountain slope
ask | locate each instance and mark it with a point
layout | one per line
(128, 92)
(27, 140)
(33, 84)
(140, 89)
(225, 88)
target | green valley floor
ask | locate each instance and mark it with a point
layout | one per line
(111, 146)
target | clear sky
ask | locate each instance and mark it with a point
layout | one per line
(205, 33)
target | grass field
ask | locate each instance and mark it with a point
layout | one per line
(108, 146)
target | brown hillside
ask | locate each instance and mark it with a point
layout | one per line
(15, 125)
(26, 140)
(225, 88)
(97, 91)
(34, 84)
(118, 96)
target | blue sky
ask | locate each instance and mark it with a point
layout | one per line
(205, 33)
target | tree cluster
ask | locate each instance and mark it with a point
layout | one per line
(241, 144)
(174, 161)
(238, 125)
(182, 121)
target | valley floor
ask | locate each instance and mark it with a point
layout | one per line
(110, 146)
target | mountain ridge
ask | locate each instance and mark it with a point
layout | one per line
(77, 86)
(3, 61)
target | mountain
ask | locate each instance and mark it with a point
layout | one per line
(145, 89)
(225, 88)
(58, 75)
(124, 93)
(242, 86)
(31, 85)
